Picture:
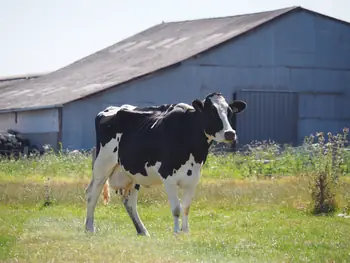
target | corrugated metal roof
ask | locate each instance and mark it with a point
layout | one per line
(153, 49)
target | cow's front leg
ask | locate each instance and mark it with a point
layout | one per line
(188, 195)
(172, 192)
(130, 204)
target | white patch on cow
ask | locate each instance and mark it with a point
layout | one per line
(178, 177)
(188, 183)
(112, 110)
(221, 106)
(127, 107)
(153, 177)
(154, 124)
(107, 159)
(185, 106)
(104, 166)
(119, 179)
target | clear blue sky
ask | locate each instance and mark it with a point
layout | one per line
(44, 35)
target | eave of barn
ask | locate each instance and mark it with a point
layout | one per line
(300, 52)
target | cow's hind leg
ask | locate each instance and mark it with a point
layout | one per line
(99, 177)
(130, 204)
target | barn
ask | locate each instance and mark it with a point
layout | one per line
(291, 65)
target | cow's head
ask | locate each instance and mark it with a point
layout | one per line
(215, 115)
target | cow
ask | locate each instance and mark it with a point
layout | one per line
(157, 145)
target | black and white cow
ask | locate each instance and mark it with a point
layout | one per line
(165, 144)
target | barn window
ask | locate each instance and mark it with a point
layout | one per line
(15, 117)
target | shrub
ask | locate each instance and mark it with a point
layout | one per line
(327, 163)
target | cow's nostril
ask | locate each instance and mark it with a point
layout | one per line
(230, 135)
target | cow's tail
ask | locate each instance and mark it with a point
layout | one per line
(106, 195)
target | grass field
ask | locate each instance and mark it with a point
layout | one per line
(245, 210)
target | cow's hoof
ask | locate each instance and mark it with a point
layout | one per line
(90, 230)
(177, 232)
(89, 227)
(185, 231)
(145, 234)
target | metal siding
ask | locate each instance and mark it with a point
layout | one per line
(309, 127)
(311, 41)
(321, 113)
(30, 121)
(42, 138)
(269, 115)
(318, 80)
(320, 106)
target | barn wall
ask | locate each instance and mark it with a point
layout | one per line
(301, 52)
(39, 126)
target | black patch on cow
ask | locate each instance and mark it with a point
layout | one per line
(115, 149)
(118, 139)
(174, 172)
(137, 187)
(229, 113)
(166, 134)
(151, 163)
(131, 214)
(192, 164)
(189, 172)
(177, 211)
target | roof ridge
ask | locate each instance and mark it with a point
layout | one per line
(232, 16)
(23, 76)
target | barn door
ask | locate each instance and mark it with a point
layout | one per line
(269, 115)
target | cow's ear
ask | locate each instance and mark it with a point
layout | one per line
(238, 106)
(198, 105)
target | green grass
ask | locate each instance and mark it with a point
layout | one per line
(243, 211)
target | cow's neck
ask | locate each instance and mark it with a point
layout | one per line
(201, 142)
